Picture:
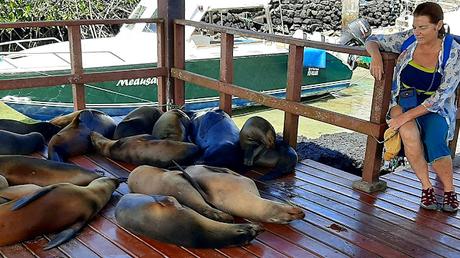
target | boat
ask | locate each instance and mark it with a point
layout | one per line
(258, 65)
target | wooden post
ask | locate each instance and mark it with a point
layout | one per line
(226, 70)
(161, 57)
(294, 81)
(373, 157)
(179, 62)
(170, 10)
(78, 89)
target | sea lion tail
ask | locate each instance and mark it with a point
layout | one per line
(32, 197)
(64, 235)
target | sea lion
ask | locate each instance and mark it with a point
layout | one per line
(172, 125)
(238, 195)
(255, 135)
(14, 192)
(74, 138)
(20, 144)
(163, 218)
(139, 121)
(53, 208)
(218, 136)
(156, 181)
(260, 147)
(20, 170)
(45, 128)
(145, 150)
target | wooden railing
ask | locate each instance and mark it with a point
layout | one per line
(77, 76)
(171, 72)
(293, 108)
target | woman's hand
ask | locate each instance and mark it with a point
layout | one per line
(376, 67)
(398, 121)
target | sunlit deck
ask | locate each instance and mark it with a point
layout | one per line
(339, 222)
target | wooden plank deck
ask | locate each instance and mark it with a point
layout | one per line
(339, 221)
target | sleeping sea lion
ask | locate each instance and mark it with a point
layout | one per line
(44, 128)
(20, 144)
(218, 136)
(139, 121)
(163, 218)
(260, 147)
(156, 181)
(20, 170)
(255, 135)
(65, 207)
(145, 150)
(238, 195)
(172, 125)
(74, 138)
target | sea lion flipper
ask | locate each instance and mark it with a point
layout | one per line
(32, 197)
(250, 154)
(65, 235)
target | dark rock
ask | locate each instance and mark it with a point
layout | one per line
(344, 151)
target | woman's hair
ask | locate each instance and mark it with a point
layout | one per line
(433, 11)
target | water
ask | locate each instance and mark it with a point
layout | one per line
(354, 101)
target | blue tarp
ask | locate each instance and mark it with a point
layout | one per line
(313, 57)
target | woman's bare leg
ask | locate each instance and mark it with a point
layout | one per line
(444, 168)
(413, 148)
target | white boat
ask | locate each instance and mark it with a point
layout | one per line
(258, 65)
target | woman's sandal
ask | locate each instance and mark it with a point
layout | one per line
(450, 203)
(428, 200)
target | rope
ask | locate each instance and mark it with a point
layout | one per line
(387, 139)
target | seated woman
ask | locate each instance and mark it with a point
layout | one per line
(428, 126)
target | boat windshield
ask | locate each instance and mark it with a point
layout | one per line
(144, 11)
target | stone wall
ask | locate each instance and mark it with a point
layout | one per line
(308, 15)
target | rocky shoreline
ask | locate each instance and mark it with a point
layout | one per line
(344, 151)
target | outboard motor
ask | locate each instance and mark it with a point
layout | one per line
(355, 34)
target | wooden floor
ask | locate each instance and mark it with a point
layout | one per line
(339, 222)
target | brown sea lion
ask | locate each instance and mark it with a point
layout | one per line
(238, 195)
(20, 170)
(163, 218)
(47, 129)
(157, 181)
(20, 144)
(74, 138)
(56, 207)
(14, 192)
(139, 121)
(172, 125)
(261, 148)
(256, 135)
(145, 150)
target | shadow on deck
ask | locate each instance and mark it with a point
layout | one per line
(339, 221)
